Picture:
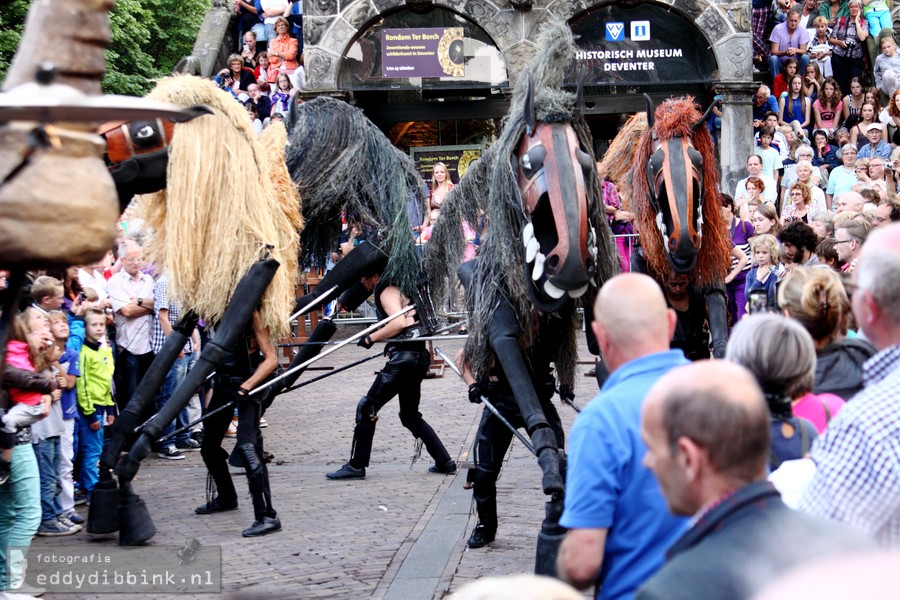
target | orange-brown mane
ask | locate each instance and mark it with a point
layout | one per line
(674, 117)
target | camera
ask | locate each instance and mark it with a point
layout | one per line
(758, 301)
(850, 43)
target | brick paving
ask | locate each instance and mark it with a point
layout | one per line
(348, 540)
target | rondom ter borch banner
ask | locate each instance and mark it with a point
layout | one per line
(640, 44)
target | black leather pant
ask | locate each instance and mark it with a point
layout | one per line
(402, 376)
(491, 444)
(249, 447)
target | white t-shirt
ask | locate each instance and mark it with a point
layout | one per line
(270, 5)
(769, 194)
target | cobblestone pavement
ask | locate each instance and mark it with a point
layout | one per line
(401, 533)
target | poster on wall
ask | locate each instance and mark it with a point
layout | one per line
(424, 52)
(456, 158)
(639, 44)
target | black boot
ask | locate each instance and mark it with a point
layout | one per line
(263, 526)
(348, 471)
(448, 468)
(215, 506)
(266, 519)
(486, 530)
(482, 536)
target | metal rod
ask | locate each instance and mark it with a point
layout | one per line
(570, 404)
(340, 345)
(315, 302)
(424, 338)
(290, 389)
(487, 403)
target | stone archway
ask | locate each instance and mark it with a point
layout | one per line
(329, 26)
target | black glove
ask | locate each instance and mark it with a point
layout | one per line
(475, 394)
(366, 342)
(243, 395)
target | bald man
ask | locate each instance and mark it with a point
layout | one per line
(706, 427)
(619, 528)
(857, 476)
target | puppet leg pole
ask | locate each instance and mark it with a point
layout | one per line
(718, 320)
(136, 526)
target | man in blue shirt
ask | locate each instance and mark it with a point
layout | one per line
(619, 527)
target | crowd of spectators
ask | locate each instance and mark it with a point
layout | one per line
(82, 339)
(267, 70)
(714, 479)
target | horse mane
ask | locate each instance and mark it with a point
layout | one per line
(490, 186)
(341, 161)
(220, 209)
(619, 157)
(274, 142)
(677, 116)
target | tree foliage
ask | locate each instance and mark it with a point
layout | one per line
(148, 38)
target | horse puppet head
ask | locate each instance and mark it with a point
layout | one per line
(553, 171)
(680, 223)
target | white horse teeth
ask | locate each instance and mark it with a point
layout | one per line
(578, 293)
(531, 250)
(553, 291)
(527, 234)
(538, 266)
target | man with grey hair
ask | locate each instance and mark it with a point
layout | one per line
(619, 528)
(842, 177)
(849, 238)
(857, 476)
(131, 295)
(706, 427)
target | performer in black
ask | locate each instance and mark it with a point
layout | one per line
(402, 376)
(692, 329)
(493, 437)
(247, 365)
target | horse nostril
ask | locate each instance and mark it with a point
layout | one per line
(673, 244)
(552, 263)
(695, 239)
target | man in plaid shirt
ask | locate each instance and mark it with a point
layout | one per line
(858, 459)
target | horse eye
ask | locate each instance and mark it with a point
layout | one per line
(533, 160)
(584, 159)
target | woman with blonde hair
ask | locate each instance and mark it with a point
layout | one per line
(282, 50)
(816, 298)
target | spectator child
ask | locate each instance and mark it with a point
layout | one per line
(771, 159)
(887, 65)
(27, 405)
(878, 16)
(254, 118)
(812, 82)
(285, 90)
(45, 437)
(793, 106)
(780, 83)
(820, 48)
(95, 403)
(764, 274)
(68, 374)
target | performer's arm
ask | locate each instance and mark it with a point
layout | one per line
(393, 302)
(270, 355)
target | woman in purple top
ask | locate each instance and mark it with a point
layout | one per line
(741, 232)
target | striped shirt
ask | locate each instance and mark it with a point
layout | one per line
(162, 301)
(857, 460)
(132, 333)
